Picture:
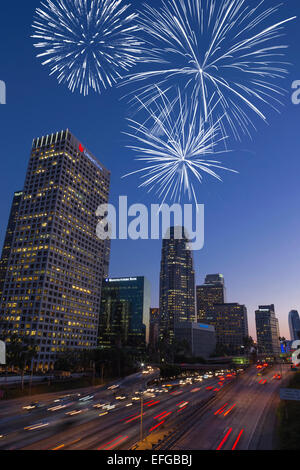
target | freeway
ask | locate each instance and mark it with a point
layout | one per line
(242, 416)
(220, 410)
(75, 424)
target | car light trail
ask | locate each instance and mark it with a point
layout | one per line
(237, 440)
(161, 415)
(156, 426)
(36, 426)
(182, 408)
(219, 411)
(224, 439)
(114, 443)
(228, 411)
(124, 419)
(134, 418)
(154, 403)
(59, 447)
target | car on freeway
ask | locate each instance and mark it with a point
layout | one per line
(37, 426)
(33, 406)
(85, 399)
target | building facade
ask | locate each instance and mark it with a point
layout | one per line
(267, 330)
(124, 313)
(201, 338)
(294, 325)
(52, 286)
(13, 216)
(230, 321)
(210, 293)
(177, 283)
(154, 328)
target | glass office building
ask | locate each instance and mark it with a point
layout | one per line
(231, 326)
(124, 313)
(294, 325)
(267, 330)
(177, 283)
(210, 293)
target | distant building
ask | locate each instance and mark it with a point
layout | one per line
(177, 283)
(124, 313)
(106, 259)
(231, 325)
(154, 328)
(294, 325)
(210, 293)
(267, 329)
(200, 338)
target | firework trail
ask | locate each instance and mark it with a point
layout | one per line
(87, 44)
(224, 50)
(175, 143)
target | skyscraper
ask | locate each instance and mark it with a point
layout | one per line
(231, 326)
(52, 286)
(124, 313)
(210, 293)
(9, 236)
(267, 330)
(177, 282)
(294, 325)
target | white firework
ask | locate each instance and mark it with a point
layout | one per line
(87, 44)
(175, 143)
(228, 51)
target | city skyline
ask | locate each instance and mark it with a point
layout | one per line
(251, 226)
(149, 228)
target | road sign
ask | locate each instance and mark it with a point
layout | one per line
(290, 394)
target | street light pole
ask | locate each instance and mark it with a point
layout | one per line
(142, 409)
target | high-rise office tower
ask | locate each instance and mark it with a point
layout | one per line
(210, 293)
(267, 330)
(294, 325)
(231, 325)
(9, 236)
(124, 313)
(177, 283)
(52, 286)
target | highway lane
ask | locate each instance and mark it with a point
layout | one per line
(13, 418)
(233, 420)
(120, 428)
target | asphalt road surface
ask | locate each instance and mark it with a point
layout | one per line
(242, 416)
(234, 411)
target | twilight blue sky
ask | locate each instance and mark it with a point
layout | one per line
(252, 222)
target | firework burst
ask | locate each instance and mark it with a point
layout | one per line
(175, 144)
(225, 50)
(87, 44)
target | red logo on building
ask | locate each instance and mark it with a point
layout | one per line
(81, 148)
